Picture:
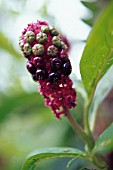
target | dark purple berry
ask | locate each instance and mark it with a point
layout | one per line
(54, 77)
(31, 68)
(38, 62)
(65, 60)
(34, 77)
(67, 69)
(55, 64)
(41, 74)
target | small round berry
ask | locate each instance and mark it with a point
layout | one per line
(53, 31)
(21, 45)
(65, 60)
(45, 29)
(63, 46)
(67, 68)
(31, 68)
(41, 74)
(41, 37)
(52, 51)
(38, 62)
(29, 36)
(34, 77)
(55, 64)
(38, 49)
(56, 41)
(27, 49)
(54, 77)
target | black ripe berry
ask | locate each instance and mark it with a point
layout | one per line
(38, 62)
(55, 64)
(67, 69)
(54, 77)
(41, 74)
(34, 77)
(31, 68)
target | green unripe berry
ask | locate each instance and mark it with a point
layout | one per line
(27, 49)
(29, 36)
(45, 29)
(63, 45)
(56, 41)
(52, 51)
(21, 44)
(38, 49)
(41, 37)
(53, 31)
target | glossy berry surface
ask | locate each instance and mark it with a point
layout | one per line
(41, 74)
(31, 68)
(54, 77)
(67, 68)
(56, 64)
(34, 77)
(38, 62)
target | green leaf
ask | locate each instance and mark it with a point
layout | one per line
(85, 169)
(96, 8)
(98, 53)
(104, 144)
(42, 154)
(6, 45)
(103, 89)
(88, 21)
(93, 7)
(90, 5)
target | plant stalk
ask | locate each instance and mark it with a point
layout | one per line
(78, 129)
(86, 120)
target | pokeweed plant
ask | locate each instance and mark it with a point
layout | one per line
(49, 64)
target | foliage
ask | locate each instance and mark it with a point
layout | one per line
(95, 7)
(104, 143)
(30, 163)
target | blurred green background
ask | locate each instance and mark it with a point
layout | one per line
(25, 123)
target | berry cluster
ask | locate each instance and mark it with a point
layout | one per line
(49, 64)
